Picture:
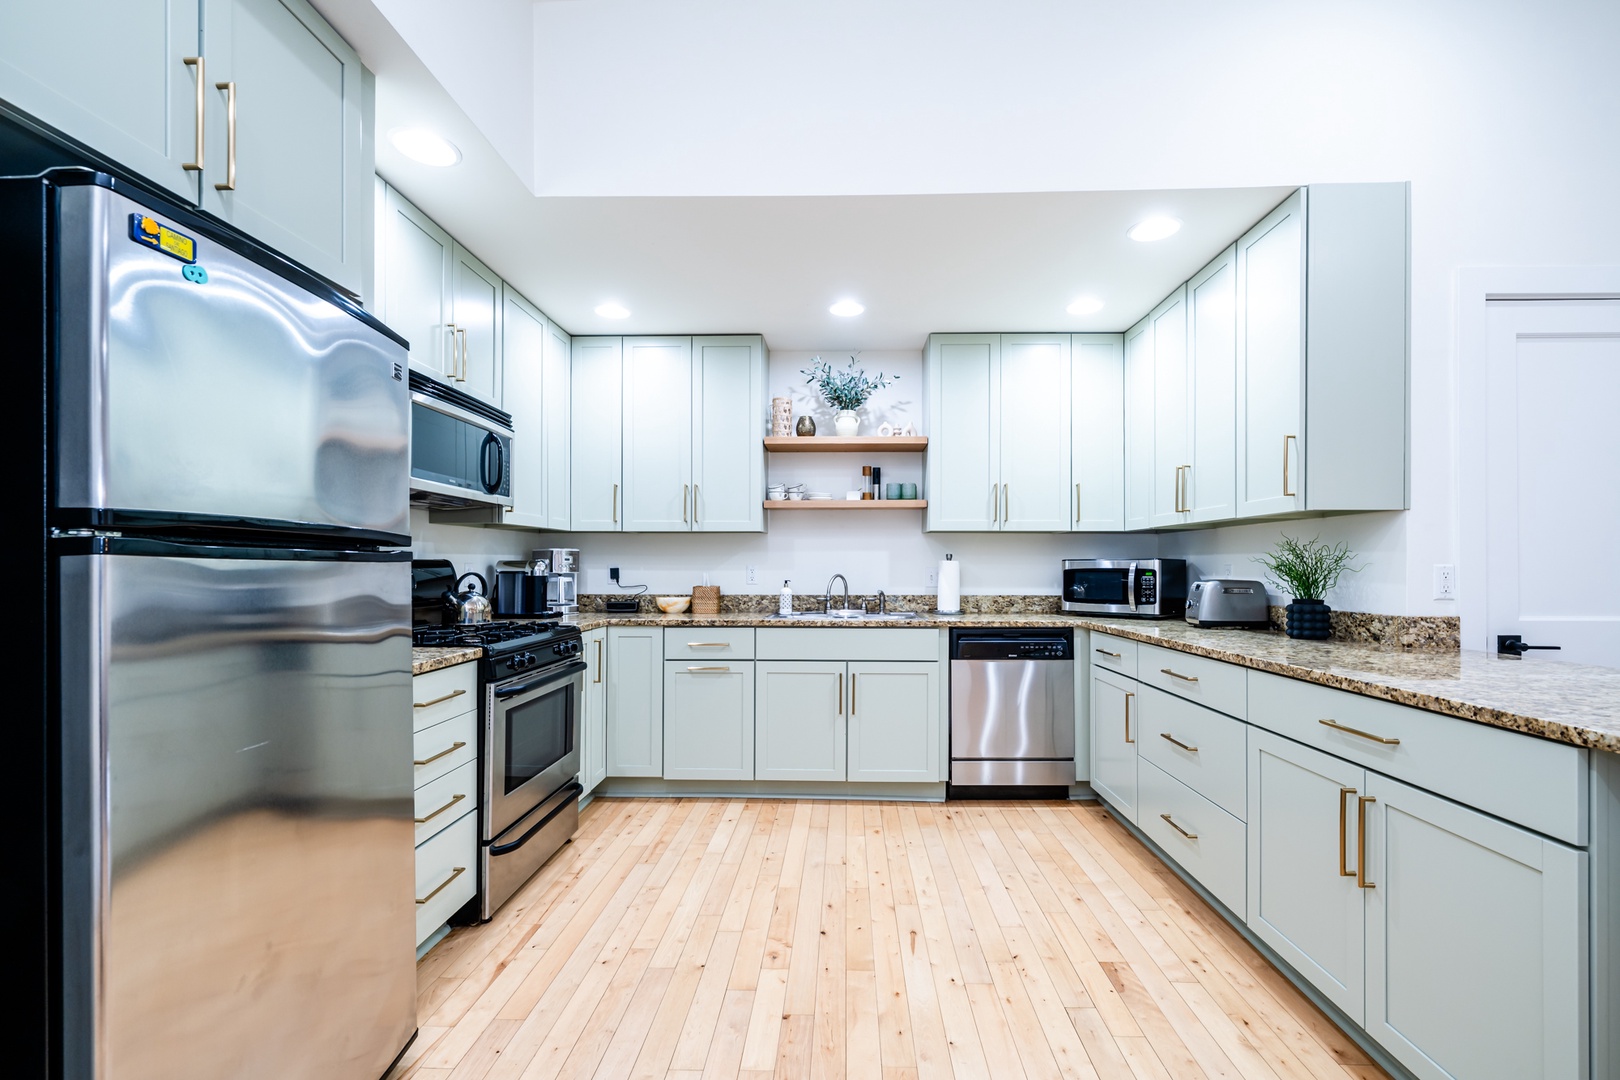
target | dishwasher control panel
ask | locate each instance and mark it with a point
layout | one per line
(1012, 645)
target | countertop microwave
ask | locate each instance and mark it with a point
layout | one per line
(1145, 588)
(461, 449)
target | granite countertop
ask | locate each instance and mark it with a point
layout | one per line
(426, 660)
(1569, 703)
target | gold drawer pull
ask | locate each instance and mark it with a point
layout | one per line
(1179, 675)
(1357, 731)
(1105, 652)
(453, 800)
(437, 700)
(1344, 870)
(1171, 822)
(230, 135)
(453, 747)
(1172, 739)
(455, 873)
(201, 66)
(708, 644)
(721, 667)
(1361, 842)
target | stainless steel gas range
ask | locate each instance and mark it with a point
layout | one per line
(531, 681)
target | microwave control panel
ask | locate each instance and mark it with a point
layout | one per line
(1149, 586)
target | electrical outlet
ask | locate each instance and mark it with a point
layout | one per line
(1445, 581)
(613, 574)
(933, 579)
(1226, 570)
(752, 575)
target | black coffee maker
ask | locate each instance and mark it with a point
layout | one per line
(520, 590)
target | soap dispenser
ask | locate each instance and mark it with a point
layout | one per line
(785, 605)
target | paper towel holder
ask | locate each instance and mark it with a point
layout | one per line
(950, 561)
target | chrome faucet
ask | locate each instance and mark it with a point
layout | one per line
(882, 601)
(828, 598)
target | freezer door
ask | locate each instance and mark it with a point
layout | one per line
(214, 388)
(238, 836)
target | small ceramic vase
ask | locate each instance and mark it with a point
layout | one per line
(806, 426)
(847, 423)
(1309, 619)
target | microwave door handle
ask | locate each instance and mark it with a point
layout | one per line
(1130, 586)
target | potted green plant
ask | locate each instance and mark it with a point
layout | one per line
(1306, 570)
(844, 391)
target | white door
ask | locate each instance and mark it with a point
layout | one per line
(658, 434)
(595, 450)
(1098, 421)
(1271, 362)
(475, 309)
(894, 722)
(1171, 441)
(1035, 447)
(1553, 375)
(593, 708)
(964, 469)
(1210, 487)
(799, 720)
(728, 425)
(635, 701)
(708, 721)
(1113, 740)
(414, 282)
(523, 344)
(1139, 425)
(557, 430)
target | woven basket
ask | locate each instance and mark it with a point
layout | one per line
(705, 599)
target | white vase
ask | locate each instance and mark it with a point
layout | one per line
(847, 423)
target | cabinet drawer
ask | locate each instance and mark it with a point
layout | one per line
(445, 747)
(1537, 783)
(837, 643)
(701, 644)
(1216, 851)
(1203, 749)
(439, 695)
(1219, 686)
(446, 874)
(441, 802)
(1115, 654)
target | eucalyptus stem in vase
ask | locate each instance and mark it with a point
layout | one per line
(844, 391)
(1307, 570)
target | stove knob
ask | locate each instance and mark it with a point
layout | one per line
(557, 650)
(575, 647)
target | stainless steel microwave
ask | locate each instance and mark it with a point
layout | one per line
(461, 448)
(1146, 588)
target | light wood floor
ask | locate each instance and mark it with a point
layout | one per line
(758, 938)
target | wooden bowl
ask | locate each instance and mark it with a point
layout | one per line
(673, 605)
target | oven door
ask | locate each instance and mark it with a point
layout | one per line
(531, 732)
(1102, 586)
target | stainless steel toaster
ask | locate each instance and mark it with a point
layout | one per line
(1228, 602)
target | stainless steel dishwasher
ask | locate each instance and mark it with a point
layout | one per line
(1012, 709)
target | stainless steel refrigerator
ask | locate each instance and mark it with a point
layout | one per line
(226, 794)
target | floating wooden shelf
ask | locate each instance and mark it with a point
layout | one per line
(846, 504)
(841, 444)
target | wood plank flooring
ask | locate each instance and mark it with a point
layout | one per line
(695, 938)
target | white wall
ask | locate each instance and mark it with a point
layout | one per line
(470, 547)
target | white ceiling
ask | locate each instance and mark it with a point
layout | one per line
(772, 264)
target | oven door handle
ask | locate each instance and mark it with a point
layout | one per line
(574, 667)
(573, 787)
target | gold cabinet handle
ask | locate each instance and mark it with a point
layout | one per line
(852, 678)
(1361, 842)
(995, 503)
(1336, 726)
(455, 359)
(1006, 504)
(198, 63)
(708, 644)
(453, 800)
(1077, 502)
(1344, 870)
(686, 490)
(615, 504)
(1105, 652)
(694, 504)
(1172, 823)
(455, 873)
(230, 136)
(1287, 487)
(1177, 489)
(598, 661)
(1178, 675)
(437, 700)
(452, 748)
(1172, 739)
(840, 693)
(466, 352)
(1128, 739)
(721, 668)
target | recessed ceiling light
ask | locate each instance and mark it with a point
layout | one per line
(612, 309)
(1154, 228)
(424, 146)
(847, 309)
(1084, 305)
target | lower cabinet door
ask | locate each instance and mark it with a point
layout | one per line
(1475, 944)
(1113, 739)
(1304, 857)
(593, 718)
(635, 701)
(894, 722)
(799, 720)
(709, 721)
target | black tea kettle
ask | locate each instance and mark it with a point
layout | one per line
(469, 605)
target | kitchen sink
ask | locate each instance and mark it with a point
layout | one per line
(850, 615)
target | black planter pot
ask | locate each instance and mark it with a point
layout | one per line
(1310, 619)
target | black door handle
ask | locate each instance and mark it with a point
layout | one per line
(1513, 645)
(492, 466)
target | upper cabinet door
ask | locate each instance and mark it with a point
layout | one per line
(963, 388)
(596, 450)
(1139, 417)
(557, 427)
(657, 434)
(1171, 443)
(301, 182)
(1098, 420)
(475, 309)
(1035, 449)
(413, 279)
(728, 426)
(523, 344)
(1210, 487)
(114, 76)
(1271, 362)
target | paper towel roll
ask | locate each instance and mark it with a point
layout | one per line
(950, 587)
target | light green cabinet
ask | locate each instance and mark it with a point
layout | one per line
(593, 710)
(708, 720)
(556, 430)
(1271, 362)
(894, 728)
(801, 733)
(1113, 739)
(475, 311)
(1034, 432)
(1156, 414)
(596, 423)
(535, 392)
(728, 423)
(657, 434)
(1209, 487)
(635, 701)
(1139, 417)
(1097, 420)
(413, 284)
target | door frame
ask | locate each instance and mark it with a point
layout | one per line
(1476, 287)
